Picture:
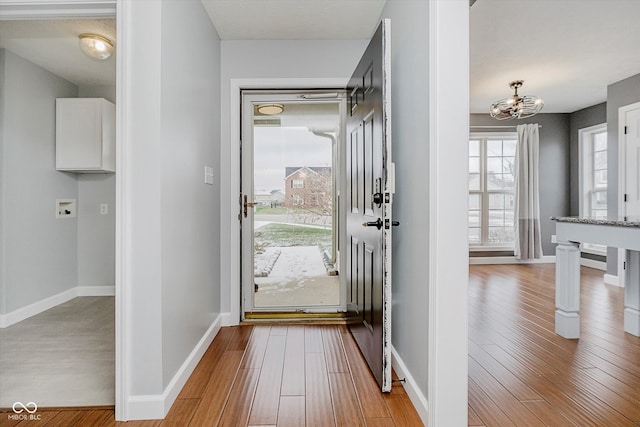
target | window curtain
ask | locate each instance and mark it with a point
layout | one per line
(528, 243)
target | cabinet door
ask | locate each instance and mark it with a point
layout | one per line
(78, 134)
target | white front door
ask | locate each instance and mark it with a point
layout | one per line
(289, 201)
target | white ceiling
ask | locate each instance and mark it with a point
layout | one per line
(54, 45)
(294, 19)
(567, 51)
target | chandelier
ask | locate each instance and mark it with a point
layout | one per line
(516, 106)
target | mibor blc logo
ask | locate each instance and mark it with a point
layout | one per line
(24, 411)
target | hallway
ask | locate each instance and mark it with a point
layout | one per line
(273, 376)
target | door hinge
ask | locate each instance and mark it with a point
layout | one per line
(624, 265)
(625, 197)
(625, 130)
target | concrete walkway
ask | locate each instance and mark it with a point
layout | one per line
(298, 278)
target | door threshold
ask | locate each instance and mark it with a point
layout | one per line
(293, 317)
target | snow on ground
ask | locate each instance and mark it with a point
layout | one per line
(298, 278)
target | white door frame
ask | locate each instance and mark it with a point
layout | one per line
(57, 9)
(230, 162)
(283, 96)
(622, 174)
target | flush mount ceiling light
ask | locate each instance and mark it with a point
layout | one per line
(270, 109)
(96, 46)
(516, 106)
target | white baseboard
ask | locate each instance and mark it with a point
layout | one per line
(227, 320)
(548, 259)
(610, 279)
(155, 407)
(411, 387)
(45, 304)
(591, 263)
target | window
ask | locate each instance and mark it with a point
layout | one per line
(593, 176)
(298, 200)
(297, 183)
(491, 185)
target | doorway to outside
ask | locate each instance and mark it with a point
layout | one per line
(290, 202)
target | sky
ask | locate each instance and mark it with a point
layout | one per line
(276, 148)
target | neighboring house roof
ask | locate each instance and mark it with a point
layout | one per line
(316, 169)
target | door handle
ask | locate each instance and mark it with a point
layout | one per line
(377, 224)
(248, 204)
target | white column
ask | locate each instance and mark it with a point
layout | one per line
(632, 294)
(568, 289)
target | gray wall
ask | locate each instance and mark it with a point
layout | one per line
(172, 131)
(2, 183)
(581, 119)
(96, 232)
(410, 112)
(107, 92)
(190, 117)
(554, 167)
(40, 250)
(619, 94)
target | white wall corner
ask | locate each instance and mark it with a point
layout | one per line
(610, 279)
(417, 397)
(155, 407)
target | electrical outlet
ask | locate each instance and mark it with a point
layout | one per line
(104, 209)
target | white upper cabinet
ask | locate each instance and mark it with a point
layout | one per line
(85, 135)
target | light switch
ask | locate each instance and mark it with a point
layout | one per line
(208, 175)
(104, 209)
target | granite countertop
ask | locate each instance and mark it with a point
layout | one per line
(623, 222)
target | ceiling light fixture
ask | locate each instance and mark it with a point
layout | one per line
(270, 109)
(96, 46)
(516, 106)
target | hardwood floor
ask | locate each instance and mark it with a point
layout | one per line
(270, 376)
(521, 373)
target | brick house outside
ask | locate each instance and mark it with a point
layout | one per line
(308, 188)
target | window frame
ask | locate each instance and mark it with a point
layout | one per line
(586, 169)
(485, 193)
(297, 183)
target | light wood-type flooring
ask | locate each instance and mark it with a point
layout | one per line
(521, 373)
(271, 376)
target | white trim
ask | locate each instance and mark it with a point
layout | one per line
(227, 319)
(56, 9)
(592, 263)
(622, 141)
(447, 310)
(585, 158)
(487, 260)
(417, 397)
(230, 161)
(610, 279)
(155, 407)
(48, 303)
(124, 313)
